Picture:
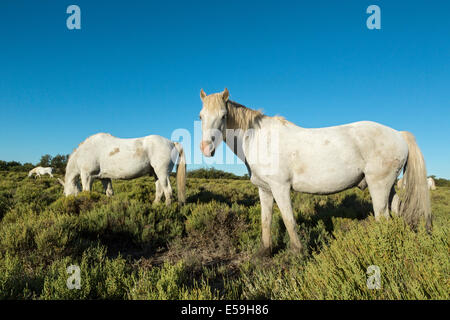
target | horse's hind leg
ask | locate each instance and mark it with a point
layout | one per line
(168, 191)
(164, 183)
(159, 192)
(363, 184)
(394, 201)
(380, 189)
(107, 187)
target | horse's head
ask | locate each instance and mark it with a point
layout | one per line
(214, 118)
(71, 187)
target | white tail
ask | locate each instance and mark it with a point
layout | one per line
(416, 203)
(181, 173)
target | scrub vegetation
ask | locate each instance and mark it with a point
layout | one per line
(128, 248)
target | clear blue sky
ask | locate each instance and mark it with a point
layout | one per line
(136, 68)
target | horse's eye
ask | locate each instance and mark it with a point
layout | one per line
(200, 116)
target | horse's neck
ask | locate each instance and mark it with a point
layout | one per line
(235, 142)
(240, 117)
(71, 169)
(239, 120)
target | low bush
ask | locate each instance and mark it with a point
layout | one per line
(128, 248)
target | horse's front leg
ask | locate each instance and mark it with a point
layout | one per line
(86, 181)
(282, 195)
(266, 199)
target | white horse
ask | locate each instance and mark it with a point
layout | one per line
(105, 157)
(40, 171)
(431, 184)
(401, 183)
(316, 161)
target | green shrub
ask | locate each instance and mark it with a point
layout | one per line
(73, 205)
(128, 248)
(100, 277)
(12, 280)
(6, 202)
(17, 281)
(169, 283)
(413, 266)
(212, 173)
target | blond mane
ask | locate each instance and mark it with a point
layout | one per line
(241, 117)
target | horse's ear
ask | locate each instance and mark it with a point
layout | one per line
(225, 95)
(202, 94)
(60, 181)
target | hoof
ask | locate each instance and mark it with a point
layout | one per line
(263, 253)
(295, 249)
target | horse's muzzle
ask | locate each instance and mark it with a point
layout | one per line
(207, 149)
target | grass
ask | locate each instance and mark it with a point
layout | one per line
(127, 248)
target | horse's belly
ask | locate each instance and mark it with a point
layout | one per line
(333, 186)
(327, 180)
(128, 169)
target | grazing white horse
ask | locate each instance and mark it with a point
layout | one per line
(316, 161)
(105, 157)
(40, 171)
(431, 184)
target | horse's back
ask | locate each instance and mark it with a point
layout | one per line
(123, 158)
(158, 141)
(159, 149)
(377, 141)
(331, 159)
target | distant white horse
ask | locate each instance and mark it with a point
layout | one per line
(105, 157)
(401, 183)
(317, 161)
(431, 184)
(40, 171)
